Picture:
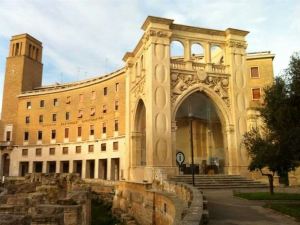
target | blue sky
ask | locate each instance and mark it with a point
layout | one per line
(86, 38)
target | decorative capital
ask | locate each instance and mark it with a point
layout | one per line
(237, 44)
(157, 33)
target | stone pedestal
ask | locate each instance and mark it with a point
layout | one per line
(276, 181)
(292, 180)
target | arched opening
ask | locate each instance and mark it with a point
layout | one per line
(140, 134)
(199, 135)
(217, 55)
(197, 52)
(177, 50)
(5, 163)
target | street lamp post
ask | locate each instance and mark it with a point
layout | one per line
(190, 115)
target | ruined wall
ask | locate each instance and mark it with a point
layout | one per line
(161, 204)
(44, 199)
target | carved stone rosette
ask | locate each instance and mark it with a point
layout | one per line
(182, 81)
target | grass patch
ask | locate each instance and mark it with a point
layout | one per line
(289, 209)
(101, 214)
(268, 196)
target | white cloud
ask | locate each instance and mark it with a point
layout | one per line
(92, 36)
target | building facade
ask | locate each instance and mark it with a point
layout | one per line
(198, 98)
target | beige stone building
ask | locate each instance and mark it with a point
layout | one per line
(182, 88)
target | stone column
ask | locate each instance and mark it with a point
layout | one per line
(57, 167)
(71, 166)
(44, 169)
(207, 53)
(108, 169)
(187, 50)
(158, 100)
(83, 174)
(236, 59)
(129, 79)
(174, 129)
(30, 169)
(96, 172)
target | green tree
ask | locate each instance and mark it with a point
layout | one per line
(277, 146)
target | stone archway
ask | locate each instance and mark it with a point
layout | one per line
(139, 141)
(206, 122)
(5, 164)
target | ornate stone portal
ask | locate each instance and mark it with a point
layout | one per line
(162, 82)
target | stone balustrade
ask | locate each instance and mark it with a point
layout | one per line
(191, 65)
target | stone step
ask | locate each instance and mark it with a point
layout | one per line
(214, 180)
(231, 187)
(233, 184)
(219, 181)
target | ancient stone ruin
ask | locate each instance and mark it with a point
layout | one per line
(45, 199)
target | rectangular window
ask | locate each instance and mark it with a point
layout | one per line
(54, 117)
(115, 145)
(104, 128)
(104, 109)
(79, 132)
(103, 147)
(68, 101)
(105, 91)
(92, 131)
(26, 136)
(28, 105)
(93, 96)
(81, 98)
(40, 135)
(27, 119)
(42, 103)
(53, 134)
(80, 114)
(8, 134)
(55, 102)
(116, 125)
(65, 150)
(93, 111)
(256, 94)
(66, 132)
(117, 105)
(38, 151)
(78, 149)
(117, 87)
(51, 151)
(254, 72)
(91, 148)
(67, 115)
(25, 152)
(41, 118)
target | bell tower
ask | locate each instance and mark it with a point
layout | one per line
(23, 73)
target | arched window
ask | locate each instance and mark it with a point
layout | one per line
(177, 49)
(197, 53)
(217, 54)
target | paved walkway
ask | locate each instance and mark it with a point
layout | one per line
(224, 209)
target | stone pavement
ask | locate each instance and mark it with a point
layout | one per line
(224, 209)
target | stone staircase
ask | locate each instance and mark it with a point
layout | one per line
(219, 181)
